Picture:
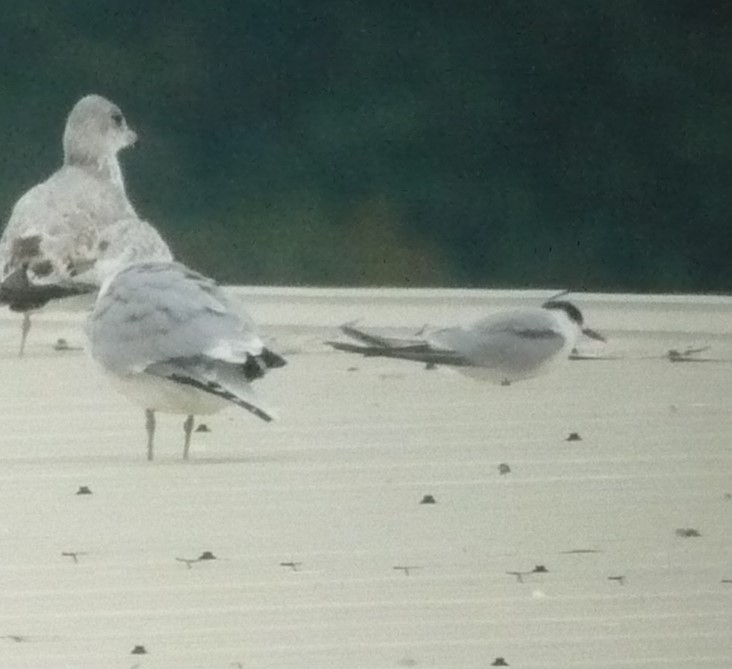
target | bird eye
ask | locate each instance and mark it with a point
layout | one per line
(117, 118)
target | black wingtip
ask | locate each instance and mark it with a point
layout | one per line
(349, 348)
(256, 366)
(21, 295)
(365, 337)
(414, 352)
(216, 389)
(271, 359)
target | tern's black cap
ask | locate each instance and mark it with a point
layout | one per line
(573, 312)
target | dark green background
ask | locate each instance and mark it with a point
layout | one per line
(584, 144)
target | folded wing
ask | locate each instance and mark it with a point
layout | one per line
(417, 349)
(165, 320)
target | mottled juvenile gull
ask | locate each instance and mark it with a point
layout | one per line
(504, 347)
(170, 340)
(60, 228)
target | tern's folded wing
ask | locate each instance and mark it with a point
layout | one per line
(405, 350)
(374, 339)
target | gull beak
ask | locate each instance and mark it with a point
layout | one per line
(593, 334)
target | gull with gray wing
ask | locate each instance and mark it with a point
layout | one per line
(170, 340)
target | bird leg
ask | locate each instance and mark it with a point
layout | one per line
(24, 330)
(187, 429)
(150, 427)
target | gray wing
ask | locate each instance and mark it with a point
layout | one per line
(413, 348)
(157, 312)
(60, 229)
(117, 245)
(517, 340)
(54, 227)
(162, 319)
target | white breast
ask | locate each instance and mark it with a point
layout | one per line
(161, 394)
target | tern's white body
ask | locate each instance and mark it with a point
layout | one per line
(511, 346)
(503, 348)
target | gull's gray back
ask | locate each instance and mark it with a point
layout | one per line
(155, 312)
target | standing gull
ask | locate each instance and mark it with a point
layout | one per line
(170, 340)
(60, 228)
(504, 347)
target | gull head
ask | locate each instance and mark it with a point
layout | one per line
(96, 130)
(574, 315)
